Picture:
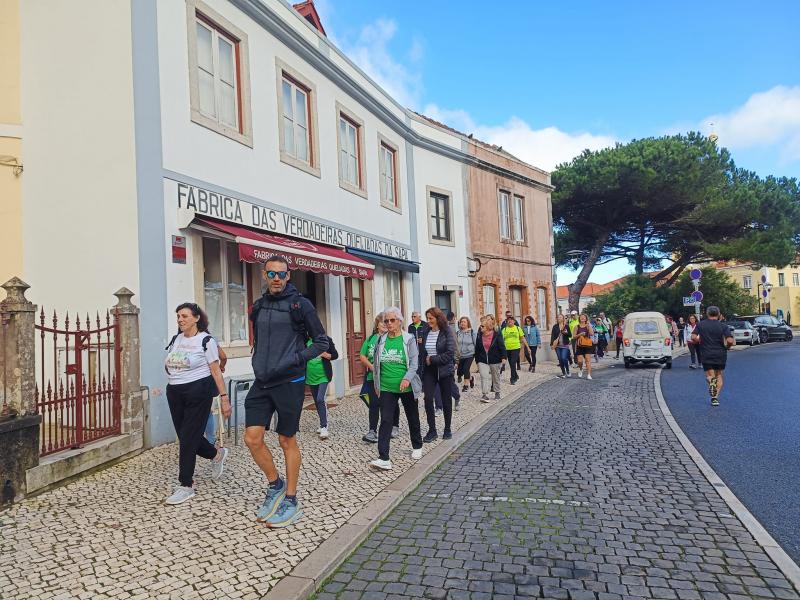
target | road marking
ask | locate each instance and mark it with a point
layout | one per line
(507, 499)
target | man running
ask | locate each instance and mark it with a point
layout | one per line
(283, 321)
(714, 338)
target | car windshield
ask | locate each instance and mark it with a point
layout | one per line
(738, 324)
(645, 328)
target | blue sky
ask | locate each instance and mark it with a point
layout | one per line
(547, 79)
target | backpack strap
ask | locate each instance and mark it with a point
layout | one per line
(206, 339)
(172, 341)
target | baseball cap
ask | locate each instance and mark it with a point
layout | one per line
(574, 312)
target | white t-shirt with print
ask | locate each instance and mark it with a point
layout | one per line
(186, 361)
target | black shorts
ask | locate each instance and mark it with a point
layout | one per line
(584, 350)
(285, 399)
(713, 366)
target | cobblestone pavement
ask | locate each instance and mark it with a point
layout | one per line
(109, 535)
(579, 490)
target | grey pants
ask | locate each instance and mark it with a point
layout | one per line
(490, 377)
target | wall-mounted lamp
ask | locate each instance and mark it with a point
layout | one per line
(11, 161)
(473, 266)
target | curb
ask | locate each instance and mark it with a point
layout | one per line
(315, 568)
(782, 560)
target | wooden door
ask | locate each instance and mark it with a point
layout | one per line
(356, 327)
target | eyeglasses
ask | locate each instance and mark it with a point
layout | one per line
(387, 321)
(280, 274)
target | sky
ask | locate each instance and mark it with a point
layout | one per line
(547, 79)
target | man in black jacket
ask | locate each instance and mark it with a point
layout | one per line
(283, 320)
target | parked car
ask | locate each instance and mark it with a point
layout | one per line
(646, 339)
(769, 328)
(744, 333)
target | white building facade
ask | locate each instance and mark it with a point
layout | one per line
(202, 136)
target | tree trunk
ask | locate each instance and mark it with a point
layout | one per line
(640, 252)
(678, 264)
(676, 274)
(591, 260)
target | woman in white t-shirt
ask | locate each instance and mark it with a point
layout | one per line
(192, 365)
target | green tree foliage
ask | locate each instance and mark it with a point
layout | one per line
(641, 292)
(678, 198)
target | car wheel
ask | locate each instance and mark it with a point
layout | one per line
(763, 336)
(789, 336)
(627, 364)
(668, 365)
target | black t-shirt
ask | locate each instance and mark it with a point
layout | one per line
(712, 334)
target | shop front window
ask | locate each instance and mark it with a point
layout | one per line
(224, 291)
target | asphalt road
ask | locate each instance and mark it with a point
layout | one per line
(753, 439)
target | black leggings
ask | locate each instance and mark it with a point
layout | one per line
(530, 354)
(694, 351)
(619, 345)
(430, 382)
(390, 413)
(464, 366)
(375, 407)
(513, 362)
(189, 406)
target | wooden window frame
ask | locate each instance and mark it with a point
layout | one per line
(284, 71)
(400, 290)
(224, 337)
(431, 193)
(747, 282)
(385, 144)
(781, 280)
(197, 11)
(795, 279)
(484, 312)
(343, 114)
(522, 223)
(504, 220)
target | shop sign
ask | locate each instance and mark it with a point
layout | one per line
(198, 201)
(297, 262)
(179, 249)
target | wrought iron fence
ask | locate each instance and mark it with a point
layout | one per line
(77, 380)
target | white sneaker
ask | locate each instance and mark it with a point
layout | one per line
(588, 376)
(569, 374)
(323, 433)
(383, 465)
(438, 412)
(416, 454)
(180, 495)
(395, 432)
(218, 466)
(580, 374)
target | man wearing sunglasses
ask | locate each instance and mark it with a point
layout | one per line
(283, 321)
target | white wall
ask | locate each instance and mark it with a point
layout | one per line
(79, 187)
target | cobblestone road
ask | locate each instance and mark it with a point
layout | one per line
(578, 491)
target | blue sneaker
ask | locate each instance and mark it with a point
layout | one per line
(287, 513)
(271, 503)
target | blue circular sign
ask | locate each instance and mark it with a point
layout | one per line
(764, 293)
(697, 296)
(695, 274)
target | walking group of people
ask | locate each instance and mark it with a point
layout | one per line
(291, 349)
(577, 339)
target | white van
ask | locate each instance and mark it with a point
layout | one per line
(646, 339)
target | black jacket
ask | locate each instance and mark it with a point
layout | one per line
(445, 358)
(281, 326)
(497, 349)
(326, 363)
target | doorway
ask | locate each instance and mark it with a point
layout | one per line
(356, 327)
(443, 300)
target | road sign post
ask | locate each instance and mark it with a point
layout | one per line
(697, 295)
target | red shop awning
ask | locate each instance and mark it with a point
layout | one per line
(256, 247)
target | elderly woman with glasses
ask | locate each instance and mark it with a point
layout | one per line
(395, 375)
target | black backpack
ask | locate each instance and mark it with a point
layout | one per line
(295, 312)
(205, 341)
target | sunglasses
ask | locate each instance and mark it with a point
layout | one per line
(387, 321)
(280, 274)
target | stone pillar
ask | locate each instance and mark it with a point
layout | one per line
(19, 423)
(127, 316)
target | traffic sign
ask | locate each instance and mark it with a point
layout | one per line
(764, 293)
(763, 279)
(697, 296)
(688, 301)
(695, 274)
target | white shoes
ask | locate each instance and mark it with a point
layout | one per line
(588, 376)
(323, 433)
(580, 374)
(218, 466)
(383, 465)
(416, 454)
(180, 495)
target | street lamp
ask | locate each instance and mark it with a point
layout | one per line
(764, 305)
(575, 255)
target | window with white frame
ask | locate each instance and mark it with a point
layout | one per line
(516, 303)
(225, 291)
(218, 77)
(518, 219)
(489, 300)
(439, 211)
(541, 307)
(349, 152)
(393, 288)
(747, 282)
(295, 108)
(796, 279)
(388, 170)
(781, 280)
(505, 213)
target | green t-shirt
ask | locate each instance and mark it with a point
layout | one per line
(511, 337)
(368, 351)
(394, 364)
(315, 371)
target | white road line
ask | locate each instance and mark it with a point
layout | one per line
(511, 500)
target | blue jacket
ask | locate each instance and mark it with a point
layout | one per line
(532, 335)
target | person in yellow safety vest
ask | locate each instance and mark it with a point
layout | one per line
(573, 323)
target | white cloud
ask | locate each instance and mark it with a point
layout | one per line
(544, 148)
(370, 51)
(770, 118)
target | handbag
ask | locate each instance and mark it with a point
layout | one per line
(584, 342)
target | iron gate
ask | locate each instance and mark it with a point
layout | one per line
(77, 387)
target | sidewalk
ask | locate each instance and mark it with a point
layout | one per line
(579, 491)
(109, 535)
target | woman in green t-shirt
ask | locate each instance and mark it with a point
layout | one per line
(368, 394)
(319, 374)
(396, 379)
(514, 339)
